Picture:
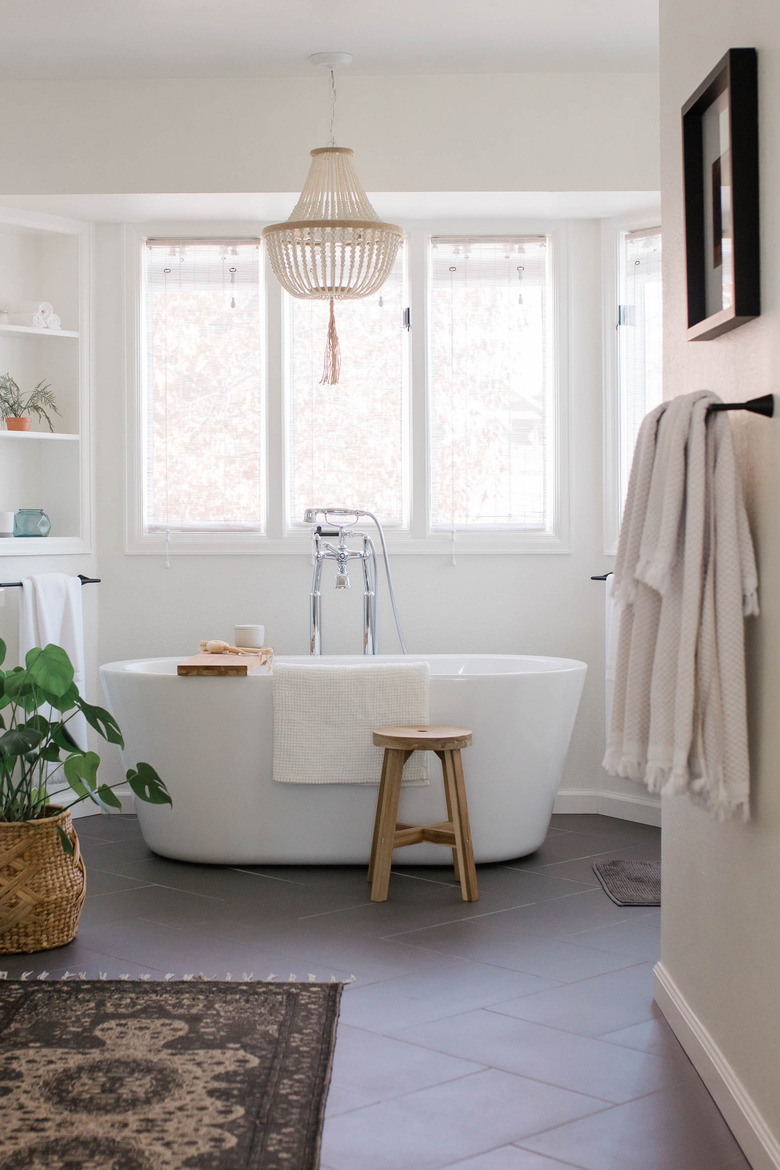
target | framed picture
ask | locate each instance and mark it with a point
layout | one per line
(720, 177)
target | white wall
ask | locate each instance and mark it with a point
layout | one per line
(506, 132)
(532, 132)
(721, 914)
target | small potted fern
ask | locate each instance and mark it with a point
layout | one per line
(42, 876)
(16, 406)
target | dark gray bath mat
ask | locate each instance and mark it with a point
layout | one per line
(630, 883)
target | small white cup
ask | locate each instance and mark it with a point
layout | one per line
(250, 636)
(6, 524)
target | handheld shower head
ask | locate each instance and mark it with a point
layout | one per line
(310, 514)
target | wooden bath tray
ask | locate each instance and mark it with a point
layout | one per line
(225, 665)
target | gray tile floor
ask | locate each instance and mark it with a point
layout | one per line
(516, 1033)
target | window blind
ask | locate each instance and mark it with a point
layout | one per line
(639, 339)
(203, 393)
(491, 383)
(349, 444)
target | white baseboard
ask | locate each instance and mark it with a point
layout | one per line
(760, 1146)
(646, 810)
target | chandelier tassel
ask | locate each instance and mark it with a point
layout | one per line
(331, 369)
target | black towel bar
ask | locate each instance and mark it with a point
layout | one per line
(764, 405)
(84, 581)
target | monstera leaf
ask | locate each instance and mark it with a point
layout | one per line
(37, 702)
(147, 785)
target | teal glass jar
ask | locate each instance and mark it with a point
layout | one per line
(31, 522)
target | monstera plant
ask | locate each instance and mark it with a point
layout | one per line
(37, 753)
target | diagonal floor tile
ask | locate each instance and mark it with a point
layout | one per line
(488, 940)
(580, 869)
(454, 986)
(188, 950)
(379, 1067)
(652, 1036)
(432, 1128)
(510, 1158)
(370, 959)
(565, 917)
(155, 903)
(565, 847)
(503, 884)
(591, 1007)
(679, 1127)
(604, 826)
(101, 882)
(635, 940)
(580, 1063)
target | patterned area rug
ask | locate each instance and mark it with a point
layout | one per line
(630, 883)
(164, 1076)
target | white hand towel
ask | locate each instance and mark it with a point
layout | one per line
(324, 717)
(50, 611)
(53, 321)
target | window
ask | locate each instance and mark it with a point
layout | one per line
(446, 419)
(202, 375)
(491, 404)
(349, 443)
(639, 339)
(637, 356)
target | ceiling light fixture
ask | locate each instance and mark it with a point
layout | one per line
(334, 246)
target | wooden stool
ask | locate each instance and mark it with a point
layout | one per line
(399, 743)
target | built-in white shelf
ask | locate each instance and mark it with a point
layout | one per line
(14, 436)
(26, 546)
(20, 330)
(47, 258)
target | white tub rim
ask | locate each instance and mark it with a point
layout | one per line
(535, 664)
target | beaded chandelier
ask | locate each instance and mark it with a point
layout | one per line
(334, 246)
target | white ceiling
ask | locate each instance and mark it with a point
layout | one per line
(273, 38)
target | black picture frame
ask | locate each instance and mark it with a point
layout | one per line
(720, 178)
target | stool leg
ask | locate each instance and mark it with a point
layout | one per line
(450, 815)
(452, 768)
(388, 816)
(379, 804)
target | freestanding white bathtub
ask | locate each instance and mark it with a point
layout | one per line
(210, 739)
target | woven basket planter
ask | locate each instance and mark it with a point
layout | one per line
(42, 890)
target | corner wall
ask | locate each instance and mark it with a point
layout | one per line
(718, 977)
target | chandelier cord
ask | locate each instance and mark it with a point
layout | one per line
(332, 140)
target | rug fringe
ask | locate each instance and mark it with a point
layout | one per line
(26, 976)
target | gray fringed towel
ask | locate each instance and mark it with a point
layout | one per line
(685, 577)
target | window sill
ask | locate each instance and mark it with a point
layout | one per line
(298, 543)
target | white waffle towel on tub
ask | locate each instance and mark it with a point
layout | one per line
(324, 717)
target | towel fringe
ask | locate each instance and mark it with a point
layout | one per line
(654, 574)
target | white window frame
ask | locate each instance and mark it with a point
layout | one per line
(137, 539)
(611, 232)
(282, 535)
(293, 526)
